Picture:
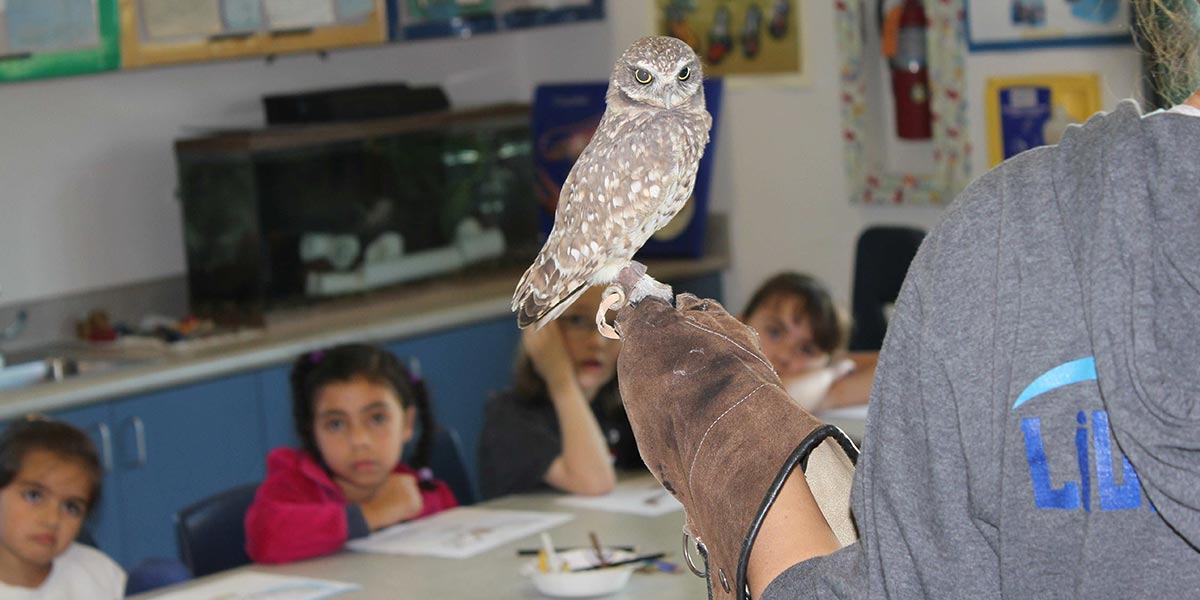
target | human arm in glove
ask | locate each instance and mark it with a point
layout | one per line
(717, 429)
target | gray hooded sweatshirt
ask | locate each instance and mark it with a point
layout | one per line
(1034, 429)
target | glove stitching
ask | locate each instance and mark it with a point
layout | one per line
(700, 446)
(734, 342)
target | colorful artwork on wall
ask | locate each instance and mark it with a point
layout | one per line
(737, 37)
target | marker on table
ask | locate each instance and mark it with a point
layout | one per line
(556, 563)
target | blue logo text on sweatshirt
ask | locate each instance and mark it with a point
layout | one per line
(1117, 488)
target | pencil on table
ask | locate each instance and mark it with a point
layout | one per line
(597, 548)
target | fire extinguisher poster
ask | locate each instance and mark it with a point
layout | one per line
(737, 37)
(1013, 24)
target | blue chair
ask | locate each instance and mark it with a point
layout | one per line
(212, 532)
(154, 573)
(881, 260)
(446, 462)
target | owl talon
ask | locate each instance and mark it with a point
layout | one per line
(614, 299)
(609, 331)
(648, 287)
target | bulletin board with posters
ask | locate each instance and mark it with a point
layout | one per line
(155, 32)
(738, 37)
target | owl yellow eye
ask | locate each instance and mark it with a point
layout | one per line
(684, 73)
(642, 77)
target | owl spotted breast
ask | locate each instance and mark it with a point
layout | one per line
(635, 174)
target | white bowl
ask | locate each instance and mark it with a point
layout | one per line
(582, 584)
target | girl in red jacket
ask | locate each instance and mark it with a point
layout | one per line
(354, 408)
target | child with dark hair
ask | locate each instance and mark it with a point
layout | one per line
(803, 334)
(355, 407)
(49, 482)
(562, 425)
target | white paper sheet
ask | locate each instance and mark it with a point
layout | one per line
(164, 19)
(294, 14)
(262, 586)
(241, 15)
(458, 533)
(645, 498)
(351, 11)
(50, 25)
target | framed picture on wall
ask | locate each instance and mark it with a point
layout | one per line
(1015, 24)
(1028, 111)
(737, 37)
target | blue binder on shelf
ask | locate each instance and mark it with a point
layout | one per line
(564, 118)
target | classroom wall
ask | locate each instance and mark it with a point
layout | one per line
(87, 175)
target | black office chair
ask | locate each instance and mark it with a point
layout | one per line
(447, 464)
(212, 532)
(881, 261)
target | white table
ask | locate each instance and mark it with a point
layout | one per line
(494, 574)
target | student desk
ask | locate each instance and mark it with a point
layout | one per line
(495, 573)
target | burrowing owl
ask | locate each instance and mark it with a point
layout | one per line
(634, 175)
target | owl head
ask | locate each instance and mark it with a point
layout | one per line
(659, 71)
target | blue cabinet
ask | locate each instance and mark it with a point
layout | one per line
(275, 394)
(461, 368)
(104, 524)
(165, 450)
(180, 445)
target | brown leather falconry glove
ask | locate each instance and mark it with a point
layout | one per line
(717, 429)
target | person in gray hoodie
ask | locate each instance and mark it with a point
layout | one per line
(1034, 427)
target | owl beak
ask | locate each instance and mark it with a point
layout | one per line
(670, 100)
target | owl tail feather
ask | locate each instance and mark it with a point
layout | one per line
(534, 313)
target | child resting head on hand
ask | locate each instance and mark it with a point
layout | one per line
(803, 334)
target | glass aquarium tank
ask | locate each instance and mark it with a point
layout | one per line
(289, 215)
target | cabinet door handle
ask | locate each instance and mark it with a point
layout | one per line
(139, 440)
(105, 446)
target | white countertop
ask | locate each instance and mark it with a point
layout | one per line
(381, 316)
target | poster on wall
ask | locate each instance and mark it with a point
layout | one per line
(564, 118)
(1034, 110)
(737, 37)
(1011, 24)
(47, 26)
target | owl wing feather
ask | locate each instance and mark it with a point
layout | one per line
(619, 187)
